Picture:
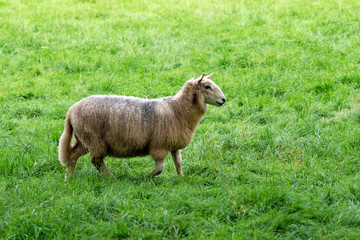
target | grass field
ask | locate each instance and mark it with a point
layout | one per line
(280, 160)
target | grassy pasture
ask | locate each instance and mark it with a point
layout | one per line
(279, 160)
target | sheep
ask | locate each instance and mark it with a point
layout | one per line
(124, 127)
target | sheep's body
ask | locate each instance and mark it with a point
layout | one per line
(131, 126)
(124, 127)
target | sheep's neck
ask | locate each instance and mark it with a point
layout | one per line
(191, 106)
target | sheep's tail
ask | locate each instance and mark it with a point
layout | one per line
(65, 142)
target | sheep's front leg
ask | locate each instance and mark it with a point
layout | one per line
(159, 158)
(177, 160)
(159, 167)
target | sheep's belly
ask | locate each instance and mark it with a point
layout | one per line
(127, 152)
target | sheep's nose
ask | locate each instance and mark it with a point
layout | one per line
(223, 100)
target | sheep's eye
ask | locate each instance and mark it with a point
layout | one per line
(208, 87)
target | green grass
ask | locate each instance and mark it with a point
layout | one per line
(279, 160)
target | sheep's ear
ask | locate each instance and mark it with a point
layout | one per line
(199, 79)
(209, 76)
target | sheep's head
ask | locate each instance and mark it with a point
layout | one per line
(211, 92)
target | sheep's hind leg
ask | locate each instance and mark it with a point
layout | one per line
(159, 158)
(76, 151)
(99, 164)
(177, 160)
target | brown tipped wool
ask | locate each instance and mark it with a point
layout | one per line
(121, 126)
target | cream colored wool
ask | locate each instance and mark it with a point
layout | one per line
(123, 127)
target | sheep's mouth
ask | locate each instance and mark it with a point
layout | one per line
(220, 103)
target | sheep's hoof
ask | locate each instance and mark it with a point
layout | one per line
(109, 176)
(68, 177)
